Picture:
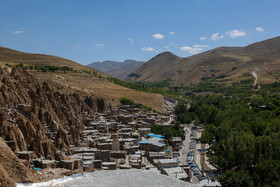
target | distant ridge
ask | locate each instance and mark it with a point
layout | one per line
(117, 69)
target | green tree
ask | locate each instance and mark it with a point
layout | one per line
(126, 101)
(236, 179)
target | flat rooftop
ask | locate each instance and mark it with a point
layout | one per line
(168, 161)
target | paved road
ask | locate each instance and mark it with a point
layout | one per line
(184, 151)
(197, 152)
(185, 147)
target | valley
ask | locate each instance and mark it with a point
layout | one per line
(59, 118)
(139, 93)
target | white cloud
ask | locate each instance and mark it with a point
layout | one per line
(77, 45)
(130, 40)
(200, 46)
(236, 33)
(99, 45)
(217, 36)
(18, 32)
(195, 49)
(260, 29)
(171, 33)
(186, 48)
(191, 50)
(158, 36)
(202, 37)
(150, 49)
(171, 45)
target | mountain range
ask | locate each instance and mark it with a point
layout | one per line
(230, 64)
(116, 69)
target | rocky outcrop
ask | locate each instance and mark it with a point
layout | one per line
(30, 109)
(62, 141)
(11, 132)
(49, 107)
(12, 170)
(5, 178)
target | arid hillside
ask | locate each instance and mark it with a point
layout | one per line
(14, 57)
(81, 79)
(231, 64)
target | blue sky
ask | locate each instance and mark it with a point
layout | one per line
(95, 30)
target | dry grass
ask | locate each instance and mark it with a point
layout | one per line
(90, 85)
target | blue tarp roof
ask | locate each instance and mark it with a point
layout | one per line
(202, 150)
(144, 142)
(168, 150)
(154, 135)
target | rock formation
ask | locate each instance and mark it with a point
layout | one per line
(12, 170)
(30, 109)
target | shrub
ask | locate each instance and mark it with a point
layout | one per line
(126, 101)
